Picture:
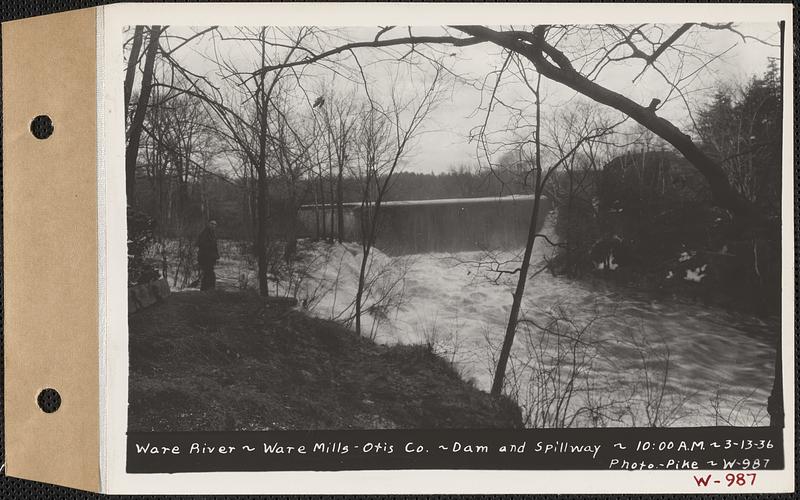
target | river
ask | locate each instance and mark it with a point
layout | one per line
(586, 354)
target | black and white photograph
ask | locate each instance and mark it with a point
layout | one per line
(454, 227)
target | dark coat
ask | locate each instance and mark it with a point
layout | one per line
(207, 252)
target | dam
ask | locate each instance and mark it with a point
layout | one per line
(423, 226)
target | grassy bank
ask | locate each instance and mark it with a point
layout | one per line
(233, 361)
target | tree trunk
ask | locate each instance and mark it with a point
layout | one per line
(133, 59)
(775, 400)
(261, 233)
(321, 187)
(369, 217)
(135, 129)
(360, 292)
(339, 205)
(511, 329)
(261, 169)
(333, 204)
(290, 249)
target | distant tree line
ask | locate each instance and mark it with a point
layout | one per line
(222, 198)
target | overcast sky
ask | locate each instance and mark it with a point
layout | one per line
(444, 143)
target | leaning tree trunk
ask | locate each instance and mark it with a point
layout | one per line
(554, 65)
(511, 329)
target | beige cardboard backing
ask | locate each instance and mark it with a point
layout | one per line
(50, 231)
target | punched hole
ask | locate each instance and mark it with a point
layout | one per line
(42, 127)
(49, 400)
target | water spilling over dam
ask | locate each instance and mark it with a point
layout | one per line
(420, 226)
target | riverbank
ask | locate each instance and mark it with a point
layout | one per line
(226, 360)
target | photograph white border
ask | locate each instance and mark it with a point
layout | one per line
(114, 327)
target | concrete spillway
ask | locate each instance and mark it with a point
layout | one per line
(421, 226)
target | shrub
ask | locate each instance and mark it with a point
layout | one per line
(140, 238)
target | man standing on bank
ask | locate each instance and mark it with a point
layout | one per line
(207, 255)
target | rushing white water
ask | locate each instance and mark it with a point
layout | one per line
(586, 355)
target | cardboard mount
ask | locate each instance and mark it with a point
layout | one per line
(51, 249)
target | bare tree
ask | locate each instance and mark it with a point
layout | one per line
(384, 138)
(248, 113)
(177, 152)
(574, 189)
(540, 169)
(139, 111)
(339, 116)
(291, 145)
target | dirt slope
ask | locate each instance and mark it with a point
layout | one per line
(233, 361)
